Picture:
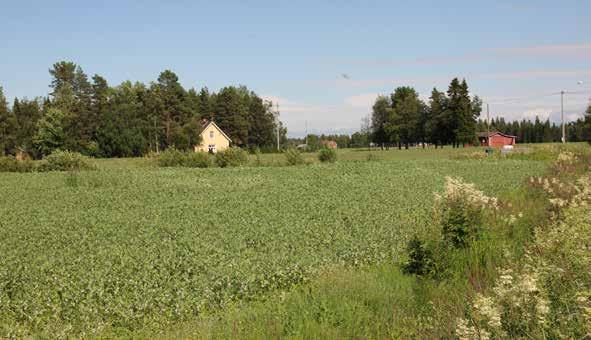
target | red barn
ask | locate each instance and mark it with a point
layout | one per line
(495, 139)
(331, 144)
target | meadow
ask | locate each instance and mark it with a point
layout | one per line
(132, 247)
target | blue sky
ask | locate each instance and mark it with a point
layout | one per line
(514, 54)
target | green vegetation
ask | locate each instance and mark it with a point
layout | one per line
(294, 157)
(131, 119)
(452, 118)
(65, 161)
(231, 157)
(327, 155)
(138, 248)
(172, 157)
(10, 164)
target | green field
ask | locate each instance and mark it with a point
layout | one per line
(131, 246)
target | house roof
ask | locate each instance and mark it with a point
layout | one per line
(210, 122)
(490, 134)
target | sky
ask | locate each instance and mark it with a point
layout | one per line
(323, 62)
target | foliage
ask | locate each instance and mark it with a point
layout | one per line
(327, 155)
(10, 164)
(151, 248)
(459, 211)
(173, 157)
(420, 257)
(548, 294)
(65, 161)
(8, 125)
(293, 157)
(231, 157)
(197, 160)
(89, 116)
(170, 157)
(404, 119)
(50, 132)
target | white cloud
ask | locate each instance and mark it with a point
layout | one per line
(361, 101)
(541, 113)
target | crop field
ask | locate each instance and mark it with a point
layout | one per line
(130, 246)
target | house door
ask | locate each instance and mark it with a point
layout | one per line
(211, 148)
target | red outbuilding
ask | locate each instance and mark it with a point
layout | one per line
(495, 139)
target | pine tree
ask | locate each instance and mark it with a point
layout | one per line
(27, 114)
(407, 106)
(8, 126)
(383, 131)
(438, 126)
(586, 131)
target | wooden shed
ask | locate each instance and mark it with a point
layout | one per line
(495, 139)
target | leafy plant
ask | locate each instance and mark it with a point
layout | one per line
(231, 157)
(197, 160)
(420, 257)
(170, 157)
(65, 161)
(293, 157)
(327, 155)
(10, 164)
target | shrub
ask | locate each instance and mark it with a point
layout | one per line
(10, 164)
(170, 157)
(197, 160)
(459, 211)
(327, 155)
(231, 157)
(65, 161)
(420, 257)
(294, 157)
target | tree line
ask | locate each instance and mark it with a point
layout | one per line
(451, 118)
(132, 118)
(403, 119)
(538, 131)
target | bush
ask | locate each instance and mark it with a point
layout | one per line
(197, 160)
(294, 157)
(459, 212)
(10, 164)
(327, 155)
(231, 157)
(170, 157)
(420, 257)
(65, 161)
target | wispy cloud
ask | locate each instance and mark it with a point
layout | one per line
(580, 50)
(540, 74)
(565, 51)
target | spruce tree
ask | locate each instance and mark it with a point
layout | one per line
(8, 126)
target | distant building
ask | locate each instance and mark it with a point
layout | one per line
(495, 139)
(331, 144)
(213, 139)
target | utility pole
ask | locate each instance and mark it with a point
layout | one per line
(487, 124)
(277, 123)
(562, 116)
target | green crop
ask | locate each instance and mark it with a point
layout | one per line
(133, 248)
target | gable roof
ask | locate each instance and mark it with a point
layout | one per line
(490, 134)
(206, 125)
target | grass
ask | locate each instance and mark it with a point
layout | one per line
(132, 248)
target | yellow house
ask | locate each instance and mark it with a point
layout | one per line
(213, 139)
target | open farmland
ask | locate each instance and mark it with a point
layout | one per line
(142, 247)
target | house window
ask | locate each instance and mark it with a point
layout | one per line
(211, 134)
(211, 148)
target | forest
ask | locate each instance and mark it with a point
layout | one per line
(452, 117)
(131, 119)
